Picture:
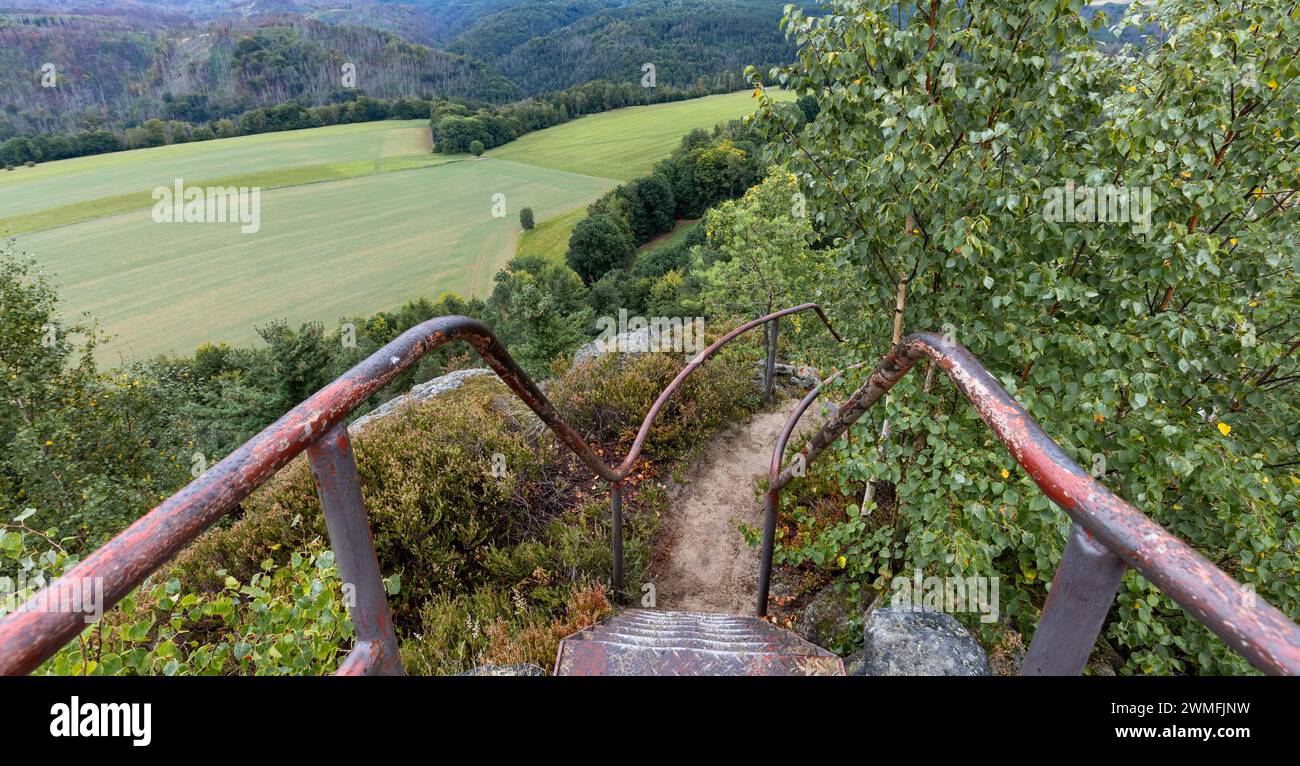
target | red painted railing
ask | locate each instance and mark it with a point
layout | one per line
(1108, 535)
(318, 427)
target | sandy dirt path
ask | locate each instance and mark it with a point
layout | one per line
(705, 564)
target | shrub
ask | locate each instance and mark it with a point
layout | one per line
(526, 218)
(284, 620)
(90, 451)
(607, 397)
(431, 498)
(480, 569)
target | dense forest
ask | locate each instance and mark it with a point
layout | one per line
(110, 75)
(534, 48)
(61, 73)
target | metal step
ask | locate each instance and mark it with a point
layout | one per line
(675, 642)
(654, 643)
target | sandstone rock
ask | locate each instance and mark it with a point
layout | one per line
(420, 393)
(903, 642)
(667, 339)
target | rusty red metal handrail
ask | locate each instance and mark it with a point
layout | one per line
(317, 426)
(1107, 537)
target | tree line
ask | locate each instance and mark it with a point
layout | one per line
(457, 128)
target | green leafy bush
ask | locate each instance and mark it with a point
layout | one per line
(288, 619)
(90, 451)
(1159, 351)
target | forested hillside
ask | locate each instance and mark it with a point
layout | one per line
(122, 65)
(113, 71)
(539, 49)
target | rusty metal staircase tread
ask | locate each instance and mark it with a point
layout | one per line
(652, 643)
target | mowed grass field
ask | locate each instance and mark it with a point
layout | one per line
(354, 219)
(324, 251)
(67, 182)
(626, 143)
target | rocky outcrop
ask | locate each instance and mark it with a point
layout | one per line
(800, 376)
(420, 393)
(667, 338)
(904, 642)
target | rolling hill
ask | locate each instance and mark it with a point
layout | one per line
(355, 219)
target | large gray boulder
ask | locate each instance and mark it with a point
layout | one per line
(665, 338)
(903, 642)
(420, 393)
(800, 376)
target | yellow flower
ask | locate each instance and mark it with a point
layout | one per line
(1132, 89)
(842, 562)
(1225, 429)
(1272, 84)
(49, 443)
(1005, 473)
(1186, 174)
(1264, 480)
(1233, 241)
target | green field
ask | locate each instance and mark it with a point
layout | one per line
(625, 143)
(324, 251)
(354, 219)
(65, 182)
(678, 234)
